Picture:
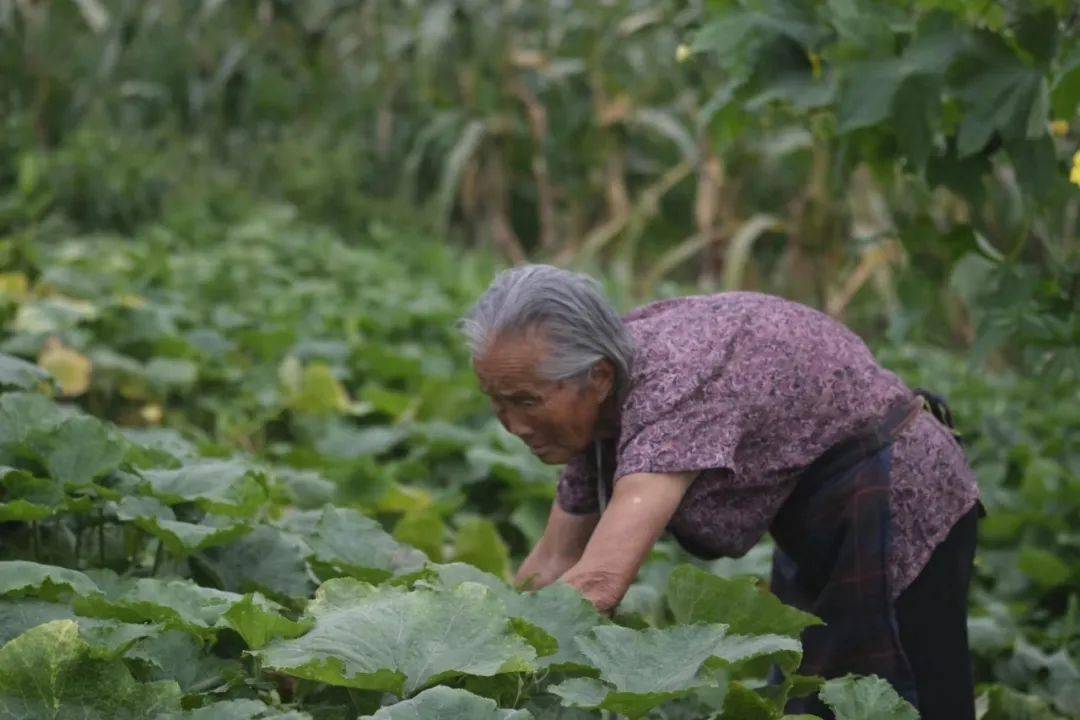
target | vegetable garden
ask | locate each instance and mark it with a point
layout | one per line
(245, 470)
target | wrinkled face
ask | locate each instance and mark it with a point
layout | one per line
(557, 419)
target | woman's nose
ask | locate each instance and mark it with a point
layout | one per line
(515, 425)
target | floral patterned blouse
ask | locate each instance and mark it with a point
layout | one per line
(748, 389)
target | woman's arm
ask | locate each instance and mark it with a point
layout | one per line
(640, 509)
(560, 547)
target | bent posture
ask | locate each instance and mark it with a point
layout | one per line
(722, 417)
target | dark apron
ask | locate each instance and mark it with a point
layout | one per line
(832, 536)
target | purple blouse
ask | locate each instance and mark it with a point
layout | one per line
(748, 389)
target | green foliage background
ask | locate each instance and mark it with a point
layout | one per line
(239, 233)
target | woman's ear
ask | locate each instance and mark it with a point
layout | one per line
(602, 378)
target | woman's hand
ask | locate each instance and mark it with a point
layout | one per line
(640, 509)
(560, 547)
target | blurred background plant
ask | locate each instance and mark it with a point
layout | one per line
(255, 221)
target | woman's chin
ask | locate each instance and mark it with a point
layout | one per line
(552, 455)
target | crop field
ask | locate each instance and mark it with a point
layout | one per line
(245, 467)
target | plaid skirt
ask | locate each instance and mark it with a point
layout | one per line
(832, 536)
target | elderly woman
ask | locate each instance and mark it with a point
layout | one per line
(721, 417)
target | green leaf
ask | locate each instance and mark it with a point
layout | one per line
(344, 541)
(317, 391)
(1042, 566)
(168, 374)
(21, 375)
(1036, 165)
(1005, 96)
(642, 669)
(24, 413)
(1065, 90)
(259, 621)
(582, 692)
(238, 710)
(742, 703)
(18, 616)
(695, 596)
(27, 498)
(307, 490)
(79, 449)
(400, 641)
(866, 698)
(181, 657)
(558, 610)
(50, 672)
(448, 704)
(1004, 703)
(49, 582)
(866, 95)
(870, 90)
(180, 538)
(105, 637)
(424, 529)
(226, 487)
(177, 604)
(915, 117)
(478, 543)
(268, 560)
(564, 614)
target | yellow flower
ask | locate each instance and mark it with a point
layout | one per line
(682, 53)
(1059, 128)
(1074, 176)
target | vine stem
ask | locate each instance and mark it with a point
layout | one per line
(101, 537)
(157, 558)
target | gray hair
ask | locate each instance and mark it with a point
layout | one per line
(582, 325)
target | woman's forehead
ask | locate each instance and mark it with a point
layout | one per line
(511, 362)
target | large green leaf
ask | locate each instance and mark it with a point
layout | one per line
(27, 498)
(1003, 95)
(478, 543)
(259, 621)
(869, 93)
(79, 449)
(49, 672)
(695, 595)
(107, 637)
(424, 529)
(1004, 703)
(443, 703)
(181, 657)
(866, 698)
(347, 542)
(180, 538)
(268, 560)
(400, 641)
(226, 487)
(642, 669)
(24, 413)
(179, 604)
(238, 710)
(742, 703)
(21, 577)
(558, 610)
(20, 374)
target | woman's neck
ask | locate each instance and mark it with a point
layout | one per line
(607, 425)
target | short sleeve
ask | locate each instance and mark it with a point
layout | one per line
(694, 429)
(576, 491)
